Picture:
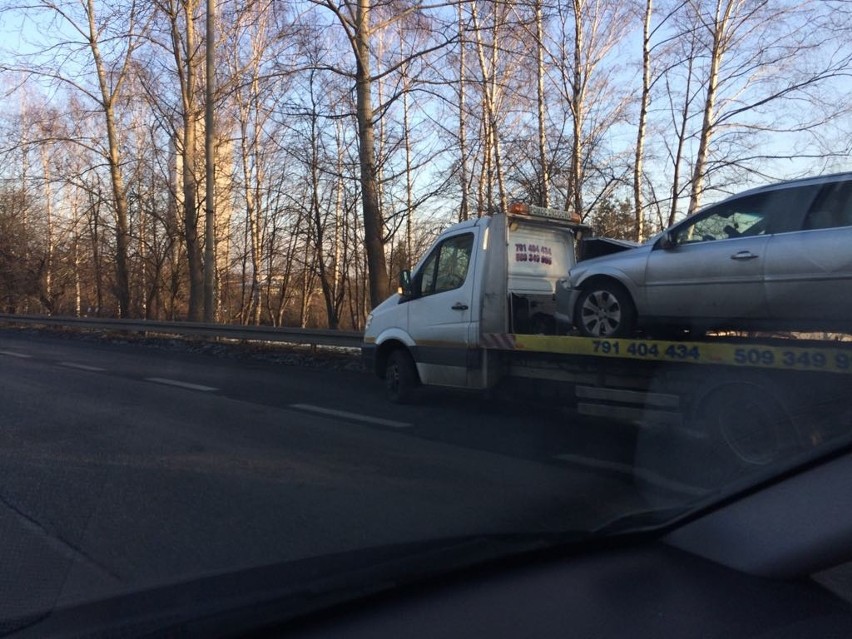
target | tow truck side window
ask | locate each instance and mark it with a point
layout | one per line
(446, 267)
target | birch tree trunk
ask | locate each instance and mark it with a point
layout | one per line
(210, 165)
(638, 167)
(543, 164)
(464, 205)
(47, 295)
(490, 98)
(373, 224)
(718, 27)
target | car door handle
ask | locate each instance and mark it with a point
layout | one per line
(744, 255)
(458, 306)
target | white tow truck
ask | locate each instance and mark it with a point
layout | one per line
(479, 310)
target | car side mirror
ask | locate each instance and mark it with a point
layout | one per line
(668, 241)
(404, 283)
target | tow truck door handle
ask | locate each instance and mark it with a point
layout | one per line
(458, 306)
(743, 255)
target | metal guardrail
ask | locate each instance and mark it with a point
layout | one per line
(309, 336)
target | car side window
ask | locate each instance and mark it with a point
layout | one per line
(777, 211)
(737, 219)
(832, 209)
(446, 267)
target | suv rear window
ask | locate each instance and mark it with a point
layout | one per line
(833, 207)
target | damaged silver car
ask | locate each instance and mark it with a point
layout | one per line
(777, 257)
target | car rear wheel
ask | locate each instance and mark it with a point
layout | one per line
(605, 310)
(401, 378)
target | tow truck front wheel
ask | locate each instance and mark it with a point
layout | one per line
(605, 310)
(401, 379)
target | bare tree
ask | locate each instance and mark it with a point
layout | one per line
(355, 16)
(183, 44)
(363, 23)
(759, 54)
(589, 32)
(249, 46)
(123, 26)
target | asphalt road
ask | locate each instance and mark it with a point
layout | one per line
(124, 467)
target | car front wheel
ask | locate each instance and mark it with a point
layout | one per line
(605, 310)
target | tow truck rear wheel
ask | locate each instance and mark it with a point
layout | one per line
(605, 309)
(401, 379)
(738, 424)
(749, 423)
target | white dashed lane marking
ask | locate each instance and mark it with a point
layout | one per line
(82, 367)
(351, 416)
(180, 384)
(14, 354)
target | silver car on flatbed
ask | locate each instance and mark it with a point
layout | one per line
(777, 257)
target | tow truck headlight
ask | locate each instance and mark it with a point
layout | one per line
(368, 322)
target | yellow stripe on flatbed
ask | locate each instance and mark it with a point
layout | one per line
(747, 355)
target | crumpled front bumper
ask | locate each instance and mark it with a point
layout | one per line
(566, 298)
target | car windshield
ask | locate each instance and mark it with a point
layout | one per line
(207, 369)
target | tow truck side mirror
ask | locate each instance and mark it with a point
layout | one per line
(404, 283)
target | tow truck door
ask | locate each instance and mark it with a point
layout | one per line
(442, 309)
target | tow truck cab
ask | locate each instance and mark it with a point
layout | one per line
(488, 276)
